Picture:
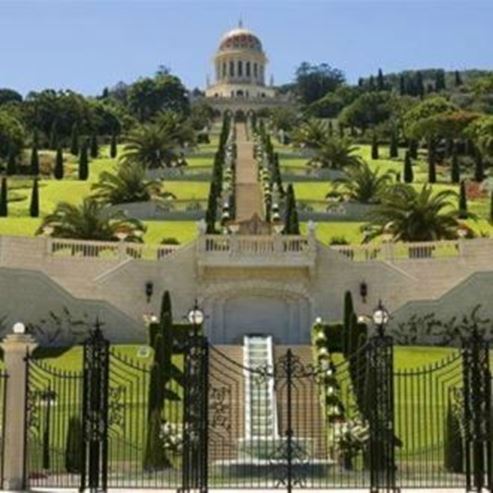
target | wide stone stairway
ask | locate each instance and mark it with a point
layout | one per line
(248, 190)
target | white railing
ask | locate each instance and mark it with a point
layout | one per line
(106, 250)
(262, 246)
(401, 251)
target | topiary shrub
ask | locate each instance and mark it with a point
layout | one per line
(453, 444)
(73, 447)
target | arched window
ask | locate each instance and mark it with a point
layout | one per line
(231, 69)
(224, 70)
(240, 68)
(247, 69)
(255, 70)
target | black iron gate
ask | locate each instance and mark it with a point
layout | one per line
(304, 420)
(300, 423)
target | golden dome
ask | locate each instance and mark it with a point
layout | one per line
(240, 39)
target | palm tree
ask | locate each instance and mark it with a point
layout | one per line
(311, 134)
(127, 184)
(335, 153)
(364, 184)
(176, 127)
(90, 221)
(408, 214)
(149, 146)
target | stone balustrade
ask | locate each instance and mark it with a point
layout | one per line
(107, 250)
(235, 247)
(252, 245)
(388, 251)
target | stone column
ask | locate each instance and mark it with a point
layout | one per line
(15, 348)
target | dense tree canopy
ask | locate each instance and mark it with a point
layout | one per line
(149, 96)
(315, 81)
(11, 135)
(367, 110)
(9, 95)
(428, 108)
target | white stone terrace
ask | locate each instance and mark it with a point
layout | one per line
(219, 250)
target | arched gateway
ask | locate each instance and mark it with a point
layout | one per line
(257, 307)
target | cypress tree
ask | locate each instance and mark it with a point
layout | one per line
(458, 79)
(113, 146)
(455, 167)
(58, 170)
(420, 87)
(291, 222)
(73, 446)
(440, 84)
(347, 320)
(165, 305)
(154, 454)
(478, 166)
(34, 206)
(380, 81)
(341, 130)
(402, 85)
(74, 140)
(54, 135)
(463, 201)
(408, 168)
(4, 207)
(371, 83)
(12, 162)
(432, 172)
(34, 161)
(413, 149)
(83, 163)
(94, 147)
(453, 445)
(374, 147)
(394, 149)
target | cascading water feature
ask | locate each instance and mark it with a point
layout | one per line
(260, 400)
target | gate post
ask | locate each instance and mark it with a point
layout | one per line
(477, 412)
(380, 413)
(195, 416)
(15, 347)
(95, 412)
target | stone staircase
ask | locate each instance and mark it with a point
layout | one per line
(260, 403)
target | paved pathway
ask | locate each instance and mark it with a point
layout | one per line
(248, 190)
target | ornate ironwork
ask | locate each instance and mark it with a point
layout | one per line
(195, 416)
(380, 413)
(478, 411)
(95, 411)
(116, 406)
(220, 408)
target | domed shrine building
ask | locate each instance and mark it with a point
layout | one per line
(240, 68)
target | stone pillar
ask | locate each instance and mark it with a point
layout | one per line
(15, 348)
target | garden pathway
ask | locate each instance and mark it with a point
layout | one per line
(248, 190)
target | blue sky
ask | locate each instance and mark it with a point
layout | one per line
(88, 44)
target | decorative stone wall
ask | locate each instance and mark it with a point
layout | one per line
(273, 283)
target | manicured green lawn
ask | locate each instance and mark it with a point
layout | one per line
(327, 231)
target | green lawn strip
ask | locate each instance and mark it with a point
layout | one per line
(129, 383)
(183, 231)
(19, 226)
(327, 231)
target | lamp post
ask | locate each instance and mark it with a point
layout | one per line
(380, 318)
(48, 399)
(196, 317)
